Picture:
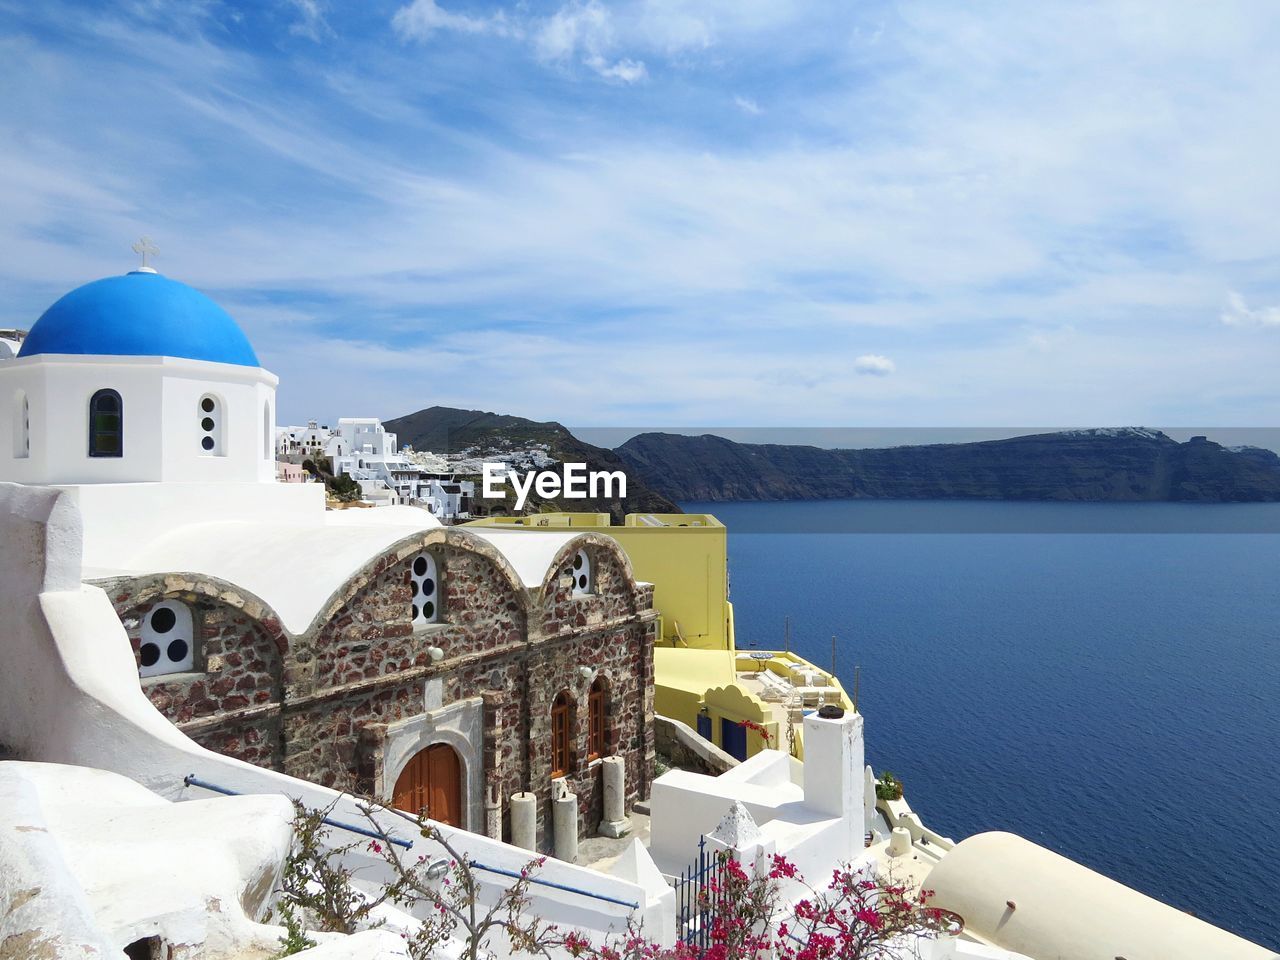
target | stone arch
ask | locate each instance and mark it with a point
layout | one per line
(594, 542)
(608, 557)
(441, 540)
(230, 698)
(195, 588)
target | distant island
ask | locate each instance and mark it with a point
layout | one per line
(1106, 464)
(1116, 464)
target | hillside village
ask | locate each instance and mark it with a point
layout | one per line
(553, 703)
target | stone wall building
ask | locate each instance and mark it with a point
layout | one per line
(374, 686)
(371, 650)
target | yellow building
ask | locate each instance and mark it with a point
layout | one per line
(733, 698)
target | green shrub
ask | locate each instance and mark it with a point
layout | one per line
(344, 488)
(888, 787)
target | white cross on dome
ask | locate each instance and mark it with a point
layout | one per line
(144, 247)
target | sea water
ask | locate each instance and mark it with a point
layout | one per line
(1112, 696)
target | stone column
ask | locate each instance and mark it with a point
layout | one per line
(524, 820)
(492, 814)
(615, 823)
(564, 821)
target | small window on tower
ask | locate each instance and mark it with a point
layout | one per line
(209, 423)
(106, 424)
(424, 586)
(581, 571)
(168, 640)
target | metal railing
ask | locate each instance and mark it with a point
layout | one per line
(502, 871)
(192, 780)
(699, 889)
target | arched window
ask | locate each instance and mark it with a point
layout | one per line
(106, 424)
(424, 586)
(597, 709)
(581, 571)
(209, 417)
(561, 734)
(168, 640)
(21, 426)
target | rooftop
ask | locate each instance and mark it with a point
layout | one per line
(139, 314)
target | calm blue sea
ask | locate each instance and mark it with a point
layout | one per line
(1112, 696)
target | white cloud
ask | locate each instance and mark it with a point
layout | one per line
(976, 203)
(583, 29)
(874, 364)
(624, 71)
(421, 18)
(578, 25)
(1238, 313)
(613, 39)
(311, 22)
(580, 31)
(747, 105)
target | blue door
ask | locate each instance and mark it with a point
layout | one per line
(733, 738)
(704, 726)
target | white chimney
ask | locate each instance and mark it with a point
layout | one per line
(833, 762)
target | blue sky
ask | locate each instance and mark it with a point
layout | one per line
(656, 213)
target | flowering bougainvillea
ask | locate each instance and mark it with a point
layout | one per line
(763, 910)
(758, 728)
(856, 916)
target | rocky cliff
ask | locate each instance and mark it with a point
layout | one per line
(1106, 464)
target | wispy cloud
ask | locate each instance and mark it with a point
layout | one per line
(397, 211)
(310, 22)
(874, 364)
(1238, 313)
(583, 30)
(422, 18)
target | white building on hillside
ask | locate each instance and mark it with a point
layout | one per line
(450, 499)
(298, 443)
(363, 449)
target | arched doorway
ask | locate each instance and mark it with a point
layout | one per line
(432, 779)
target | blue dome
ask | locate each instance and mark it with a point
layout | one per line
(140, 314)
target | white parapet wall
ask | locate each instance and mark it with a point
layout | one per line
(69, 693)
(810, 813)
(91, 863)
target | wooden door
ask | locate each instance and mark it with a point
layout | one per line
(432, 779)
